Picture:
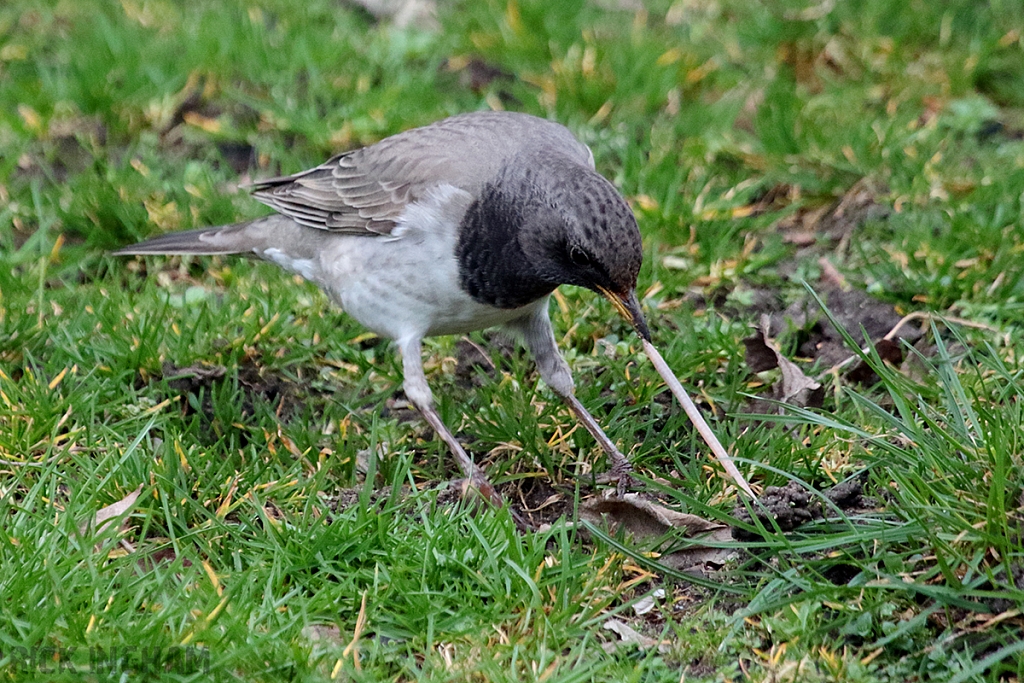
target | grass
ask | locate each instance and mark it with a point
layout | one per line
(730, 126)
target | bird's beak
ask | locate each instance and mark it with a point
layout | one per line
(629, 307)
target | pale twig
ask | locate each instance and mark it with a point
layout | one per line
(697, 419)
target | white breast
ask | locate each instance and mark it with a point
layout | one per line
(407, 284)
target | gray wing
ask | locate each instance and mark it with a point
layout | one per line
(367, 190)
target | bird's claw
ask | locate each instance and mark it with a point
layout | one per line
(621, 474)
(624, 480)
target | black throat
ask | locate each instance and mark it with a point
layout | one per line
(493, 268)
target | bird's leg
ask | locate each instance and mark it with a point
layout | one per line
(622, 468)
(540, 339)
(418, 391)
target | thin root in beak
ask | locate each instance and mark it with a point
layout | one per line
(696, 418)
(629, 307)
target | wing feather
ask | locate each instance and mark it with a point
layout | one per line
(366, 191)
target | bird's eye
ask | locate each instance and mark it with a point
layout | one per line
(579, 257)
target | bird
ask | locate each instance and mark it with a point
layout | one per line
(463, 224)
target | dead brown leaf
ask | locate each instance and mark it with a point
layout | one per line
(630, 636)
(647, 520)
(795, 388)
(109, 514)
(646, 604)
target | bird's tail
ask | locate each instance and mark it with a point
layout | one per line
(251, 237)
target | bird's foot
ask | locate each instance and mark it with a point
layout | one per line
(621, 474)
(624, 479)
(475, 480)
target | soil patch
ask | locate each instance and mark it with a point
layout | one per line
(793, 505)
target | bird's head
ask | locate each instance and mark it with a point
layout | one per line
(584, 233)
